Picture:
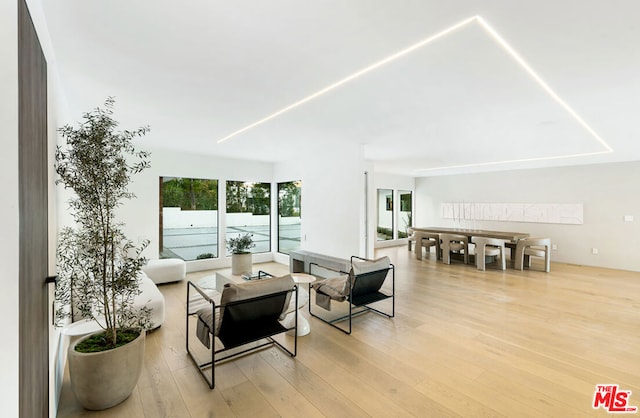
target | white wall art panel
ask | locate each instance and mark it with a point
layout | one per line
(554, 213)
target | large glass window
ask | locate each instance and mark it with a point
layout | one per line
(248, 211)
(188, 218)
(405, 214)
(385, 215)
(289, 221)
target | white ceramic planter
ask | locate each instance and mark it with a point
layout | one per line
(104, 379)
(240, 263)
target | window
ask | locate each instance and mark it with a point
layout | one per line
(405, 214)
(385, 215)
(188, 218)
(248, 211)
(394, 218)
(289, 221)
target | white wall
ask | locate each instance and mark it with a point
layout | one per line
(9, 209)
(332, 196)
(607, 191)
(141, 215)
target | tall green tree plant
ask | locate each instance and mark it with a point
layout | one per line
(98, 266)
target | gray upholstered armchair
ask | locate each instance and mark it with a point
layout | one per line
(453, 243)
(533, 247)
(493, 247)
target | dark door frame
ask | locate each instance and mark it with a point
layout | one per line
(33, 261)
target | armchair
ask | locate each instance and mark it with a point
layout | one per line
(489, 247)
(453, 243)
(251, 312)
(533, 247)
(359, 288)
(423, 240)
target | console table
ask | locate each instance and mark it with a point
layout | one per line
(299, 261)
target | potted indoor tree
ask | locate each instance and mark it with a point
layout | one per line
(240, 256)
(98, 266)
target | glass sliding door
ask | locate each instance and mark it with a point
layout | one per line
(289, 221)
(405, 213)
(384, 226)
(248, 211)
(188, 218)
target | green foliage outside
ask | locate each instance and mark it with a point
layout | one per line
(204, 256)
(190, 194)
(386, 232)
(243, 197)
(289, 199)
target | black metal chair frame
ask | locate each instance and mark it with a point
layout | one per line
(233, 334)
(360, 301)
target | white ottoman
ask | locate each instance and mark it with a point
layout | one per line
(166, 270)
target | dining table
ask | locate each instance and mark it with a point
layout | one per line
(510, 237)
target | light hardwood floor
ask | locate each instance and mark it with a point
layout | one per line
(463, 343)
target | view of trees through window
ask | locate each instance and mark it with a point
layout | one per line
(189, 218)
(248, 211)
(289, 211)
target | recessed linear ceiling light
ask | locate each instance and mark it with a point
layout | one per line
(352, 77)
(521, 160)
(499, 40)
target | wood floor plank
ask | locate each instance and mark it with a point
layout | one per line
(372, 402)
(199, 399)
(280, 394)
(245, 400)
(316, 390)
(463, 343)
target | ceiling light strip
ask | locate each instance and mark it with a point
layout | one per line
(353, 76)
(523, 160)
(500, 40)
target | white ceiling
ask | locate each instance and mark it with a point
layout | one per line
(198, 71)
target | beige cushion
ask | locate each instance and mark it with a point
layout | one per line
(492, 251)
(536, 252)
(233, 292)
(209, 319)
(365, 266)
(337, 288)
